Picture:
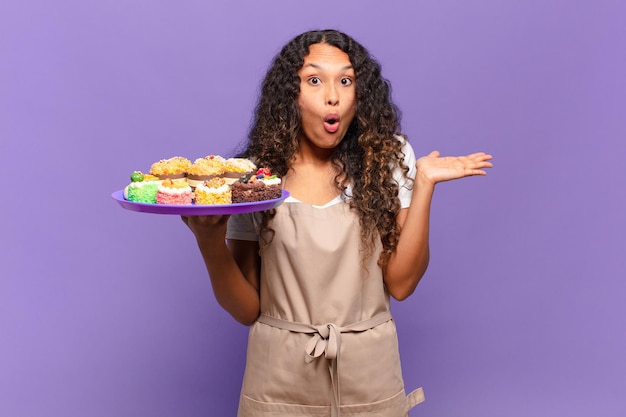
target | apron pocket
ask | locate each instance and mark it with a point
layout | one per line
(396, 406)
(253, 408)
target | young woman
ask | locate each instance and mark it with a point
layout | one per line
(314, 276)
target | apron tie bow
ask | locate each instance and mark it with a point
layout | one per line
(325, 340)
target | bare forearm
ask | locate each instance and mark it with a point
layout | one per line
(233, 291)
(410, 260)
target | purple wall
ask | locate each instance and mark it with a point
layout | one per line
(106, 312)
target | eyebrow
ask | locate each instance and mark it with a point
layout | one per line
(319, 67)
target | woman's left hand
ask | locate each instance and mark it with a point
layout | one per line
(434, 168)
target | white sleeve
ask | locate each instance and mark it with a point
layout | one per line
(243, 227)
(405, 190)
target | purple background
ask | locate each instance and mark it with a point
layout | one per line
(106, 312)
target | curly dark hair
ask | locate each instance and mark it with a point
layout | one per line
(366, 156)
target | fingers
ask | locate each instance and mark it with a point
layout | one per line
(474, 172)
(192, 221)
(480, 156)
(207, 227)
(480, 161)
(484, 162)
(208, 219)
(476, 160)
(477, 156)
(216, 220)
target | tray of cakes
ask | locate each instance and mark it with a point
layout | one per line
(212, 185)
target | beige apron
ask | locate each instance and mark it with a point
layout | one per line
(325, 343)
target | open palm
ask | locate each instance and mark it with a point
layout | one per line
(436, 168)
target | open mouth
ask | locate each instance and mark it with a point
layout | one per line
(331, 119)
(331, 122)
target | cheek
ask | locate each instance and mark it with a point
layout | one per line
(305, 108)
(351, 110)
(352, 100)
(302, 104)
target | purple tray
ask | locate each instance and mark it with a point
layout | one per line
(199, 210)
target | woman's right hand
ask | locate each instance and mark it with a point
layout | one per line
(207, 227)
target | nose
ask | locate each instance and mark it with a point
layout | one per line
(332, 96)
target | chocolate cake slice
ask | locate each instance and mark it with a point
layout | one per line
(260, 187)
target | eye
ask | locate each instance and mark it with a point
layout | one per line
(314, 81)
(346, 81)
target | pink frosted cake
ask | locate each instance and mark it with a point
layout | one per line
(173, 192)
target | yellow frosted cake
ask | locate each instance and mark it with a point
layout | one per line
(174, 168)
(235, 168)
(204, 169)
(213, 191)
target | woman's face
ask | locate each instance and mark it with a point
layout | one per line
(327, 97)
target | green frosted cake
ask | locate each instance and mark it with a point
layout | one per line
(142, 189)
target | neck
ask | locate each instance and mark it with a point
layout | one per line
(308, 154)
